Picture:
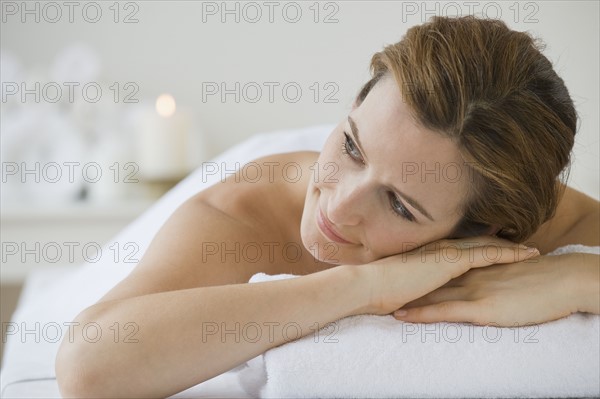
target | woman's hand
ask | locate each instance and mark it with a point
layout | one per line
(534, 291)
(396, 280)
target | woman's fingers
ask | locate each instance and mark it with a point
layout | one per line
(491, 254)
(470, 242)
(450, 311)
(441, 294)
(475, 252)
(405, 277)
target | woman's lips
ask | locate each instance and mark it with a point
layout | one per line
(327, 229)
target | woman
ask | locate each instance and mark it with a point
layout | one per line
(377, 228)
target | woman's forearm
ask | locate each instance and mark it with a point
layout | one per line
(189, 336)
(586, 283)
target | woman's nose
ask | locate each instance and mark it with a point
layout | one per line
(345, 204)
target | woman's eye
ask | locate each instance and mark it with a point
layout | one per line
(399, 209)
(350, 148)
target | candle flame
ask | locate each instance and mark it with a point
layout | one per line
(165, 105)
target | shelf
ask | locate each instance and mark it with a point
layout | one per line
(34, 225)
(32, 212)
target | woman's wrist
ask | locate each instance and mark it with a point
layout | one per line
(584, 278)
(359, 278)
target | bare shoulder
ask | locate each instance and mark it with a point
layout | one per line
(573, 207)
(264, 189)
(222, 235)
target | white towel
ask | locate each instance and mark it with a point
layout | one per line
(379, 356)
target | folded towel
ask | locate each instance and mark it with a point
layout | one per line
(379, 356)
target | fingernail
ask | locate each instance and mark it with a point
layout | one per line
(400, 313)
(526, 248)
(532, 251)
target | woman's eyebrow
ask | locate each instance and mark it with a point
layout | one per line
(414, 204)
(411, 201)
(354, 130)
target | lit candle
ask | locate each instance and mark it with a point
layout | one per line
(162, 141)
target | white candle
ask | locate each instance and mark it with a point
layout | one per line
(162, 136)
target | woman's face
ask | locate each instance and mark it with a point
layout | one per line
(370, 166)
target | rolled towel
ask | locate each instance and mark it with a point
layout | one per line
(379, 356)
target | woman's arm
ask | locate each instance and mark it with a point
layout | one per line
(576, 221)
(583, 274)
(185, 337)
(535, 291)
(185, 314)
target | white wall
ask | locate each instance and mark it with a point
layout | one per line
(171, 49)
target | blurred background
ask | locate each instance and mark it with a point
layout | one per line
(108, 104)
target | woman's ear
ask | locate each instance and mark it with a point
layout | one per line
(494, 229)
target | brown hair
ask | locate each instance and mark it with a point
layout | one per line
(491, 91)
